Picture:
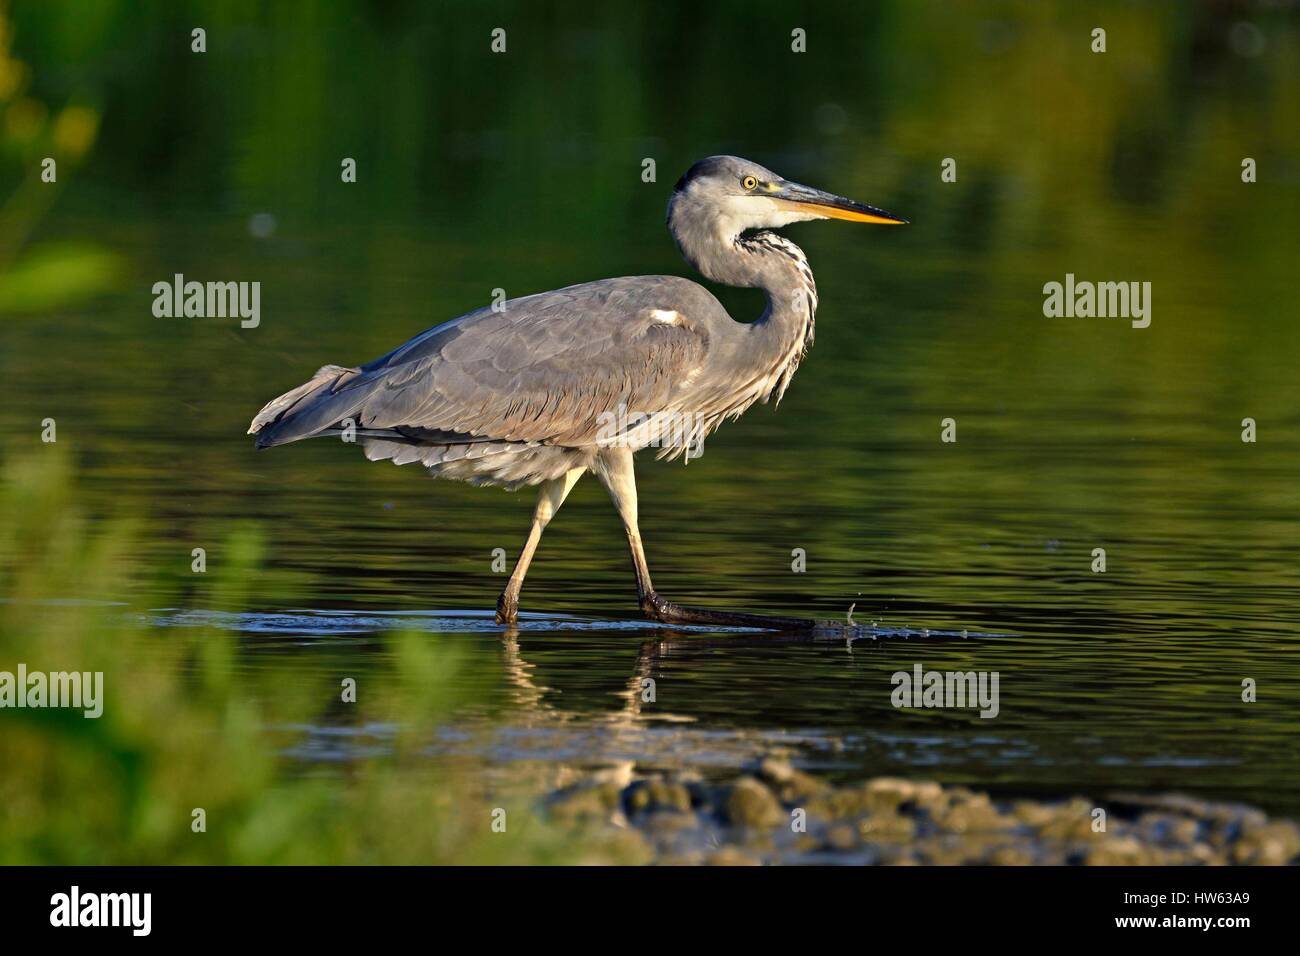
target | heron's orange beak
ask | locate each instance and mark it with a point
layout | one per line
(830, 206)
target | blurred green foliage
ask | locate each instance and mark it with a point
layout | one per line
(41, 147)
(185, 726)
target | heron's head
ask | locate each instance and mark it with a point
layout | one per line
(728, 195)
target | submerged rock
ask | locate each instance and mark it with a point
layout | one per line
(590, 802)
(780, 814)
(1270, 844)
(790, 785)
(652, 795)
(731, 856)
(750, 804)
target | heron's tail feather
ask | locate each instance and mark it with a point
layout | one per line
(289, 417)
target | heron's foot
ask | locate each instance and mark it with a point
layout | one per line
(508, 608)
(665, 612)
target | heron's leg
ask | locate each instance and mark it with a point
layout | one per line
(549, 498)
(614, 468)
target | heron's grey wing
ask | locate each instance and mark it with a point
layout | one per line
(544, 369)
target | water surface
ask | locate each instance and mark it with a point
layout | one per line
(1072, 434)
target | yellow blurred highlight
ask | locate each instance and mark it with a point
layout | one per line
(13, 76)
(74, 131)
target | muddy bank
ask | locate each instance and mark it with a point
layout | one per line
(779, 814)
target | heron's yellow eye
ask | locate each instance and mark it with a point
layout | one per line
(749, 182)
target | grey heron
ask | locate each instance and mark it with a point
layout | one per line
(542, 389)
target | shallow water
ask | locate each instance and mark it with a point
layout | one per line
(1073, 434)
(1093, 714)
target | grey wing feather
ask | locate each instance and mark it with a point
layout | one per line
(542, 370)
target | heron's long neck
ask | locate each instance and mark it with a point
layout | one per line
(764, 260)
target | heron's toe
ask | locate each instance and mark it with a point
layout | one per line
(657, 609)
(507, 609)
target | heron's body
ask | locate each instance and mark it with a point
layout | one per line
(540, 389)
